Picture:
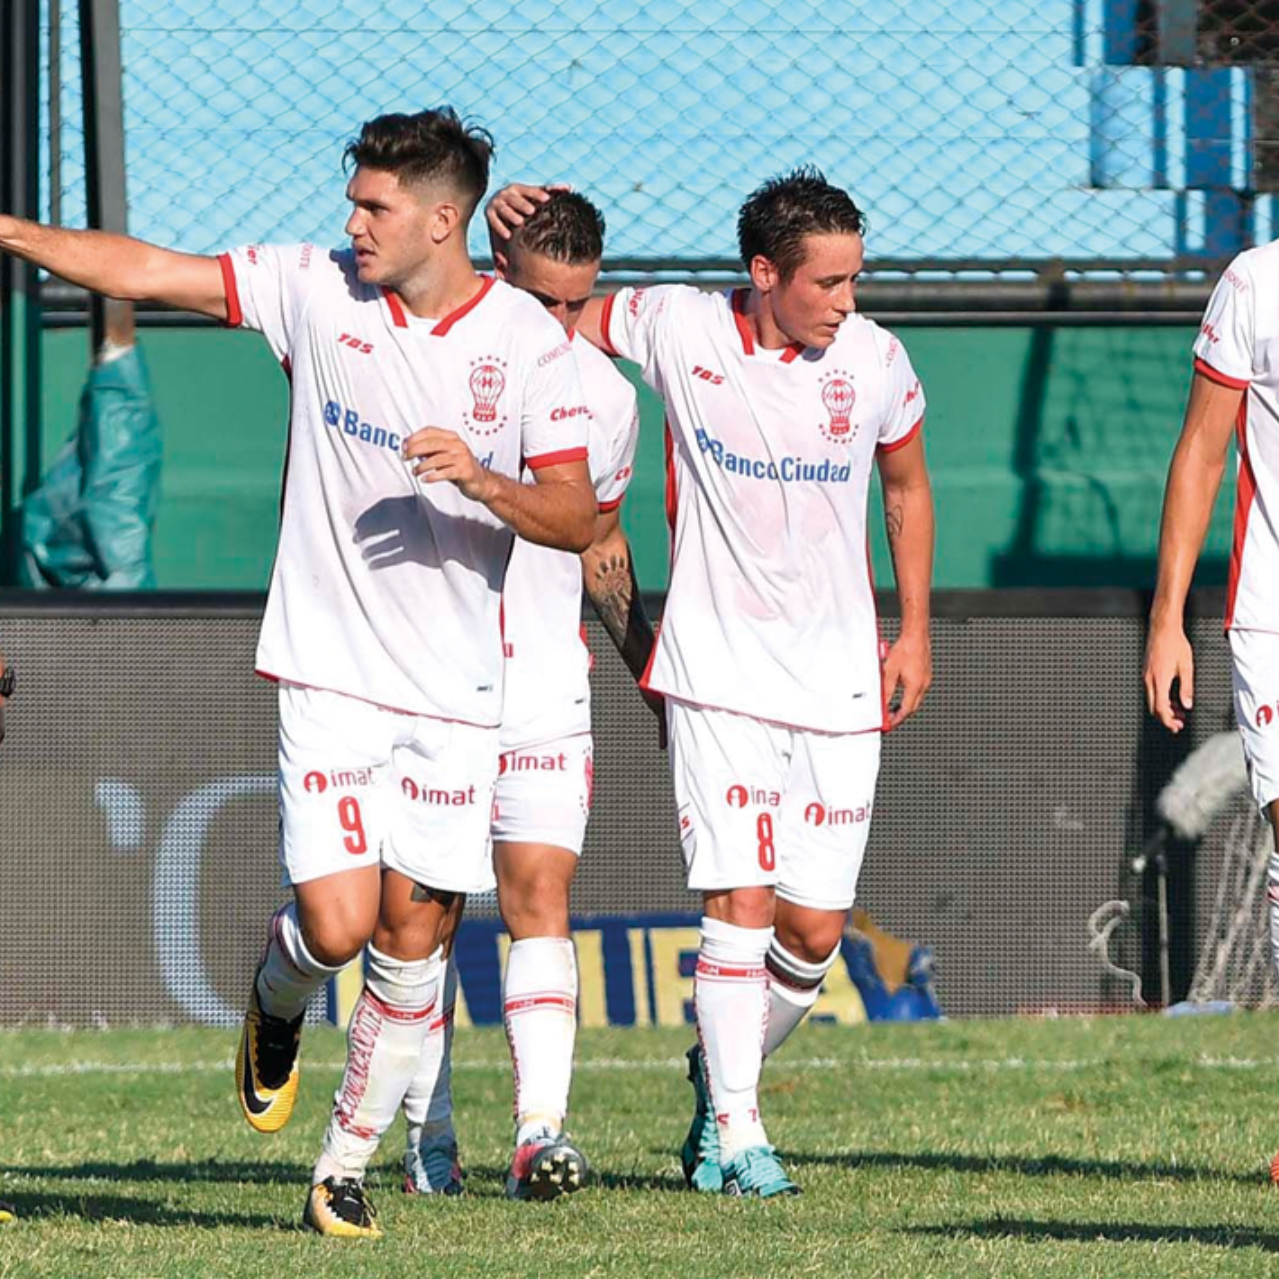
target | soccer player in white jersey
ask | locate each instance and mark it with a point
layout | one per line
(419, 390)
(1234, 391)
(544, 787)
(780, 401)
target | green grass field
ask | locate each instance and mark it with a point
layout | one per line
(1107, 1148)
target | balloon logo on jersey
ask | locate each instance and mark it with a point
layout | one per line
(736, 797)
(409, 787)
(838, 397)
(315, 783)
(487, 382)
(1264, 716)
(815, 814)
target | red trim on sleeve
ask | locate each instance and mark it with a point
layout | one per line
(1245, 494)
(606, 507)
(894, 445)
(442, 328)
(606, 320)
(396, 308)
(1222, 379)
(555, 459)
(234, 315)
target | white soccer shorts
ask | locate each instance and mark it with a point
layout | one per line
(544, 793)
(1256, 686)
(763, 804)
(361, 785)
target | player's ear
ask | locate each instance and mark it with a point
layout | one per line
(445, 220)
(764, 273)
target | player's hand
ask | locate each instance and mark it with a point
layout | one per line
(438, 455)
(510, 208)
(908, 667)
(1169, 658)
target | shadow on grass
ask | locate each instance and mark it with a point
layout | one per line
(234, 1171)
(1108, 1232)
(1025, 1166)
(480, 1175)
(34, 1206)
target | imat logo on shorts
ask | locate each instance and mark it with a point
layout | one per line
(435, 795)
(820, 815)
(739, 796)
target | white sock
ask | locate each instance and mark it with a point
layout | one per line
(428, 1104)
(730, 992)
(540, 1011)
(384, 1047)
(793, 987)
(289, 974)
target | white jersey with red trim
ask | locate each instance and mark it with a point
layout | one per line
(1238, 345)
(548, 692)
(385, 587)
(770, 610)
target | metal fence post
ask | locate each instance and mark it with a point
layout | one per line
(19, 281)
(104, 150)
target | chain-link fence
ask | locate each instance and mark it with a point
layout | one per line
(981, 135)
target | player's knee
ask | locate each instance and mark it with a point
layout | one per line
(753, 907)
(335, 942)
(813, 940)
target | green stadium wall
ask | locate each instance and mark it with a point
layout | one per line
(1048, 449)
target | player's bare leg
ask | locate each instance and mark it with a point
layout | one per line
(384, 1046)
(540, 1011)
(805, 946)
(309, 940)
(431, 1164)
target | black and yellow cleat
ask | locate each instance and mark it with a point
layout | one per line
(266, 1066)
(341, 1208)
(8, 1213)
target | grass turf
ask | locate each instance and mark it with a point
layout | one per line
(1109, 1147)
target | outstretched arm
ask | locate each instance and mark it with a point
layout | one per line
(908, 516)
(1194, 478)
(118, 266)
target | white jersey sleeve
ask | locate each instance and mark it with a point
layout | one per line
(614, 426)
(554, 422)
(267, 289)
(904, 410)
(1224, 349)
(634, 323)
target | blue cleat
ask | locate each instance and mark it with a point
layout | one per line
(432, 1170)
(757, 1173)
(700, 1154)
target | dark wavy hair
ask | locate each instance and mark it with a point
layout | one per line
(775, 218)
(427, 146)
(566, 228)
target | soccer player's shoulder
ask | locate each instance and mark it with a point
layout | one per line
(608, 390)
(863, 335)
(526, 319)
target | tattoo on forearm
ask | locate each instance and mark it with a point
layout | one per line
(611, 595)
(894, 519)
(615, 595)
